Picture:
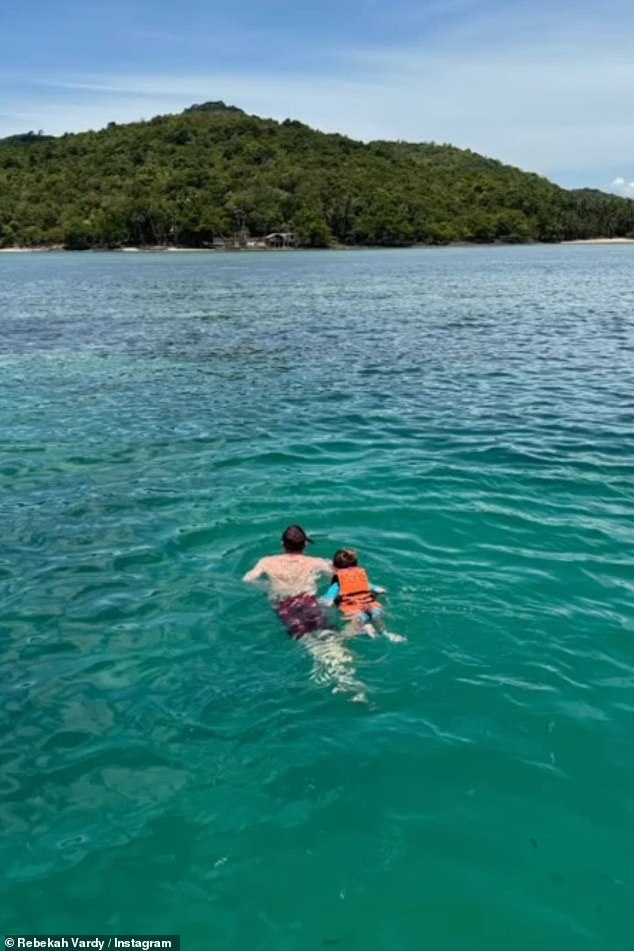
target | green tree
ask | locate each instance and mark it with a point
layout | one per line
(189, 178)
(311, 229)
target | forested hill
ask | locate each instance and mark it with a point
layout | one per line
(214, 171)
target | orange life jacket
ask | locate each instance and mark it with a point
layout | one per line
(354, 595)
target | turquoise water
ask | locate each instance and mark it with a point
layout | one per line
(464, 417)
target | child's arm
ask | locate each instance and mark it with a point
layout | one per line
(330, 595)
(375, 589)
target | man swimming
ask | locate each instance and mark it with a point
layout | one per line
(293, 578)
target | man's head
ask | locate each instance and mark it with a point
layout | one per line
(295, 539)
(345, 558)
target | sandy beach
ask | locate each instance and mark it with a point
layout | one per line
(600, 241)
(171, 249)
(43, 247)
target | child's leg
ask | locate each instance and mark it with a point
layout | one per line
(354, 625)
(397, 638)
(380, 627)
(377, 622)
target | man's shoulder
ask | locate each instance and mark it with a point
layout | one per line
(271, 561)
(310, 561)
(322, 563)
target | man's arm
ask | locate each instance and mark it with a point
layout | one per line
(326, 567)
(257, 571)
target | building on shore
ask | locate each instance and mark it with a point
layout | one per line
(280, 239)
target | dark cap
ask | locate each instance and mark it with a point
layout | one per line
(294, 538)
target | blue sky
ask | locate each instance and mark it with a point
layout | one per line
(543, 85)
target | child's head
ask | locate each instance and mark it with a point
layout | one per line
(345, 558)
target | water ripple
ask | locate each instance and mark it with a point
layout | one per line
(465, 419)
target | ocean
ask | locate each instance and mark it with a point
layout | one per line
(170, 762)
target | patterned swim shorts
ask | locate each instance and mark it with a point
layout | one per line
(301, 614)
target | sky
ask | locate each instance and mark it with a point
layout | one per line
(545, 85)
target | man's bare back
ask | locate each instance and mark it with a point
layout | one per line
(290, 574)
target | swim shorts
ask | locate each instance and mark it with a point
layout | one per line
(301, 614)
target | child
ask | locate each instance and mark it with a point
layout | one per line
(355, 596)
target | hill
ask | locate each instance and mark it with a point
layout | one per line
(213, 171)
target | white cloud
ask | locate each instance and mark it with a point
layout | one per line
(620, 186)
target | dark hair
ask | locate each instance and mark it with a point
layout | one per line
(345, 558)
(294, 538)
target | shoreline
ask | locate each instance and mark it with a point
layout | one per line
(152, 249)
(598, 241)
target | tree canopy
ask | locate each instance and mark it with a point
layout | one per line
(213, 171)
